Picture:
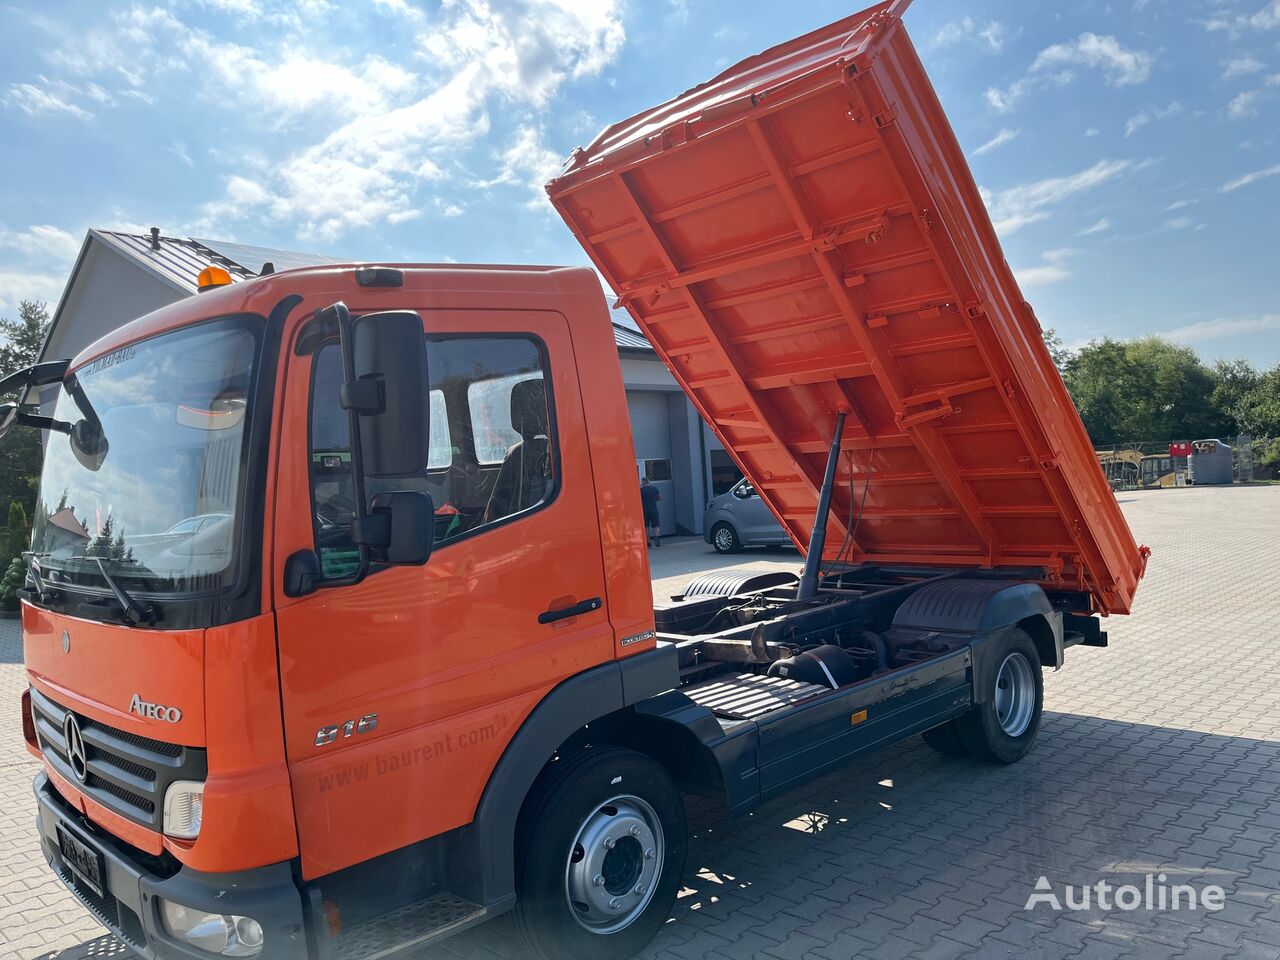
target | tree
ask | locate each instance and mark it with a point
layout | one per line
(17, 533)
(24, 336)
(1107, 387)
(1062, 354)
(15, 575)
(21, 451)
(1144, 390)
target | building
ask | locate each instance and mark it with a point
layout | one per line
(118, 277)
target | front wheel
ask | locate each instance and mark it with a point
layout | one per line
(725, 539)
(601, 854)
(1004, 728)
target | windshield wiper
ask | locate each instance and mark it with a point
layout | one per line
(37, 581)
(134, 612)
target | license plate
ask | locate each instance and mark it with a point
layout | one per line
(86, 864)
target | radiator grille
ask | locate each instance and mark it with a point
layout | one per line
(126, 773)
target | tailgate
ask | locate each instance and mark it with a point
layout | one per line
(802, 235)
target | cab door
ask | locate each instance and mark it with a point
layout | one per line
(427, 672)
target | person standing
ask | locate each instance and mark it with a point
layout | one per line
(649, 497)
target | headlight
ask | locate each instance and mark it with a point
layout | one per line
(183, 809)
(225, 935)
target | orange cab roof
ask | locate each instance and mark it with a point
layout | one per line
(801, 235)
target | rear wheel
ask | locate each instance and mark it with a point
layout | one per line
(1004, 728)
(602, 849)
(725, 539)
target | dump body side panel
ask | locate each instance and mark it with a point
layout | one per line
(802, 235)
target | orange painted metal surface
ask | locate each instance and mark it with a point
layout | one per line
(226, 684)
(450, 655)
(801, 235)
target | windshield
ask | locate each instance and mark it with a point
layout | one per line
(159, 500)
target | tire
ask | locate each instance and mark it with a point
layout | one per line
(1004, 728)
(945, 739)
(563, 845)
(725, 539)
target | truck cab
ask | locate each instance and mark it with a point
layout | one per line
(258, 686)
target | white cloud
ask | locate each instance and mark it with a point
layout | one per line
(44, 243)
(1222, 327)
(240, 8)
(1244, 105)
(1180, 223)
(527, 49)
(528, 163)
(1268, 18)
(1181, 204)
(18, 285)
(1101, 226)
(1234, 25)
(44, 254)
(1013, 208)
(1053, 65)
(45, 97)
(999, 140)
(1053, 270)
(1241, 66)
(1121, 66)
(1144, 117)
(179, 149)
(1249, 178)
(991, 35)
(402, 9)
(1092, 132)
(364, 132)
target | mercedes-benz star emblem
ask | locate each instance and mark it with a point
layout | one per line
(76, 755)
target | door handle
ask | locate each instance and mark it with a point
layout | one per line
(564, 613)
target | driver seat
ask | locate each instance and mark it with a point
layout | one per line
(524, 478)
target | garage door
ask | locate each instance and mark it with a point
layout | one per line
(651, 430)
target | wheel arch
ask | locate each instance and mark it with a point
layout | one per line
(579, 703)
(986, 609)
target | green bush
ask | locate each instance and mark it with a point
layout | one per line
(14, 577)
(17, 534)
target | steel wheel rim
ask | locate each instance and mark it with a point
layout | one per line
(1015, 694)
(614, 864)
(724, 539)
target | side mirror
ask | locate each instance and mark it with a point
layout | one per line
(389, 392)
(89, 444)
(8, 417)
(399, 528)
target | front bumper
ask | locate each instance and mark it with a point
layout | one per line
(132, 891)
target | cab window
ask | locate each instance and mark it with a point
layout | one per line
(492, 451)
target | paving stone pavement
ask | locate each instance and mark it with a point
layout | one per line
(1160, 754)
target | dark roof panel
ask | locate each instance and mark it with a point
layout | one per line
(177, 261)
(253, 257)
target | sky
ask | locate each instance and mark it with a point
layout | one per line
(1129, 151)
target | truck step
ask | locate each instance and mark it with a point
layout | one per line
(749, 695)
(408, 928)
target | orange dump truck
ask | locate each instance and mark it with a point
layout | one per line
(339, 628)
